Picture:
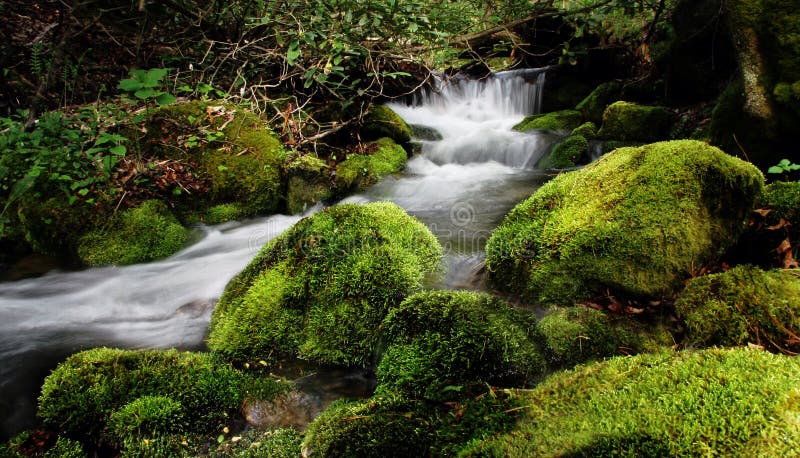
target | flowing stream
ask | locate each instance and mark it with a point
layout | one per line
(461, 186)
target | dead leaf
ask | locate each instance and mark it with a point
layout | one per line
(762, 211)
(783, 223)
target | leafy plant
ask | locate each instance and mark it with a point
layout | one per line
(145, 85)
(784, 166)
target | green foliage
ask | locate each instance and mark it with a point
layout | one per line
(145, 85)
(255, 443)
(65, 448)
(382, 122)
(784, 166)
(146, 417)
(568, 153)
(358, 171)
(83, 392)
(744, 305)
(709, 403)
(638, 221)
(141, 234)
(441, 343)
(320, 290)
(632, 122)
(561, 121)
(574, 335)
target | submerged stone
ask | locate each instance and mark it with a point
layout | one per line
(638, 221)
(744, 305)
(320, 290)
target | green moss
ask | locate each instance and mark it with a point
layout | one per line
(140, 234)
(320, 290)
(628, 121)
(359, 171)
(743, 305)
(575, 335)
(783, 198)
(593, 106)
(65, 448)
(439, 342)
(144, 418)
(381, 122)
(587, 130)
(255, 443)
(309, 182)
(83, 392)
(568, 153)
(51, 225)
(223, 213)
(709, 403)
(561, 121)
(637, 222)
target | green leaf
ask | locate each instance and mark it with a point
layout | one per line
(83, 191)
(129, 85)
(783, 163)
(775, 169)
(166, 99)
(154, 76)
(293, 53)
(144, 94)
(118, 150)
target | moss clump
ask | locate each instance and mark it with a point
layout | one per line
(255, 443)
(51, 225)
(715, 402)
(381, 122)
(65, 448)
(593, 106)
(320, 290)
(224, 213)
(561, 121)
(438, 342)
(140, 234)
(587, 130)
(358, 171)
(83, 393)
(628, 121)
(637, 222)
(744, 305)
(308, 183)
(783, 198)
(145, 418)
(568, 153)
(574, 335)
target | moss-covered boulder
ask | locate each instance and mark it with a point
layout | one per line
(83, 393)
(628, 121)
(308, 183)
(145, 418)
(638, 221)
(593, 106)
(574, 335)
(570, 152)
(382, 122)
(358, 171)
(321, 290)
(559, 121)
(710, 403)
(51, 225)
(587, 130)
(438, 343)
(140, 234)
(741, 306)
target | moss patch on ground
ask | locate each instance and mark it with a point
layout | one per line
(637, 222)
(320, 290)
(140, 234)
(628, 121)
(714, 402)
(744, 305)
(439, 343)
(560, 121)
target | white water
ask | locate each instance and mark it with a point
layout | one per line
(461, 187)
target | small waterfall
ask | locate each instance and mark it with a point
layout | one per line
(475, 118)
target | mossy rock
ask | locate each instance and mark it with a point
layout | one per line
(559, 121)
(83, 392)
(382, 122)
(256, 443)
(712, 403)
(224, 213)
(359, 171)
(320, 290)
(628, 121)
(243, 167)
(743, 305)
(568, 153)
(593, 106)
(588, 130)
(574, 335)
(145, 418)
(140, 234)
(309, 182)
(440, 343)
(52, 226)
(425, 133)
(392, 426)
(637, 222)
(783, 199)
